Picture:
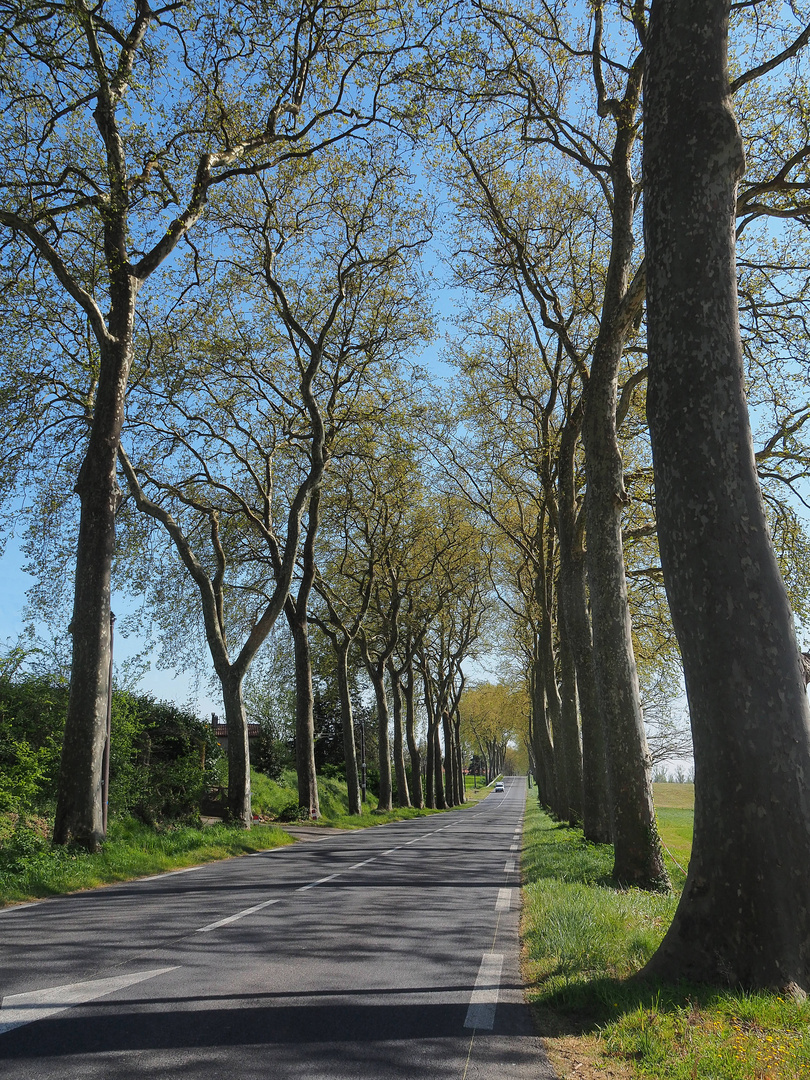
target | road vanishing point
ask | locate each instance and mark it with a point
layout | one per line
(390, 952)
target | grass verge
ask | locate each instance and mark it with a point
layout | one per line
(31, 868)
(273, 798)
(583, 939)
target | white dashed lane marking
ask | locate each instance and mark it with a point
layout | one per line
(504, 901)
(484, 999)
(236, 917)
(320, 881)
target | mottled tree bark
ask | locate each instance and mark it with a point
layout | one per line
(573, 602)
(744, 916)
(403, 796)
(347, 725)
(79, 809)
(638, 858)
(570, 728)
(238, 753)
(417, 795)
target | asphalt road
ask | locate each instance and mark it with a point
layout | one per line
(382, 954)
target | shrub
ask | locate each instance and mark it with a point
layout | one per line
(162, 759)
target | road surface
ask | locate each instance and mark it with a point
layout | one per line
(373, 955)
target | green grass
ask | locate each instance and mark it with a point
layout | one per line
(674, 796)
(584, 939)
(271, 798)
(675, 812)
(30, 868)
(475, 783)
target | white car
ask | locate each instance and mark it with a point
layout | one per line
(499, 786)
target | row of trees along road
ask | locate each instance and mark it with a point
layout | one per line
(224, 291)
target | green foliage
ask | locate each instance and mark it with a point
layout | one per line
(32, 713)
(677, 1036)
(279, 799)
(274, 798)
(269, 754)
(161, 759)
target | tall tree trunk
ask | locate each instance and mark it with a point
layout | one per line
(78, 804)
(459, 760)
(638, 858)
(744, 915)
(417, 797)
(570, 729)
(238, 750)
(377, 675)
(403, 797)
(553, 708)
(541, 741)
(438, 776)
(347, 725)
(430, 769)
(304, 711)
(449, 760)
(430, 744)
(573, 602)
(296, 611)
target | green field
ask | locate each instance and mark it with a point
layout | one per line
(674, 796)
(674, 809)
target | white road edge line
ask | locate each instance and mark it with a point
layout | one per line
(238, 915)
(484, 999)
(19, 907)
(509, 868)
(169, 873)
(504, 901)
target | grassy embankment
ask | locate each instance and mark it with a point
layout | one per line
(30, 868)
(583, 938)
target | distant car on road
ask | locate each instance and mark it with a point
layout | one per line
(499, 786)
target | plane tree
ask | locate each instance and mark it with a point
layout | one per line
(119, 125)
(492, 716)
(352, 550)
(364, 561)
(743, 916)
(227, 451)
(404, 597)
(551, 102)
(454, 636)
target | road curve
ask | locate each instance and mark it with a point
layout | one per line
(386, 954)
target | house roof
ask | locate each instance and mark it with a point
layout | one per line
(221, 730)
